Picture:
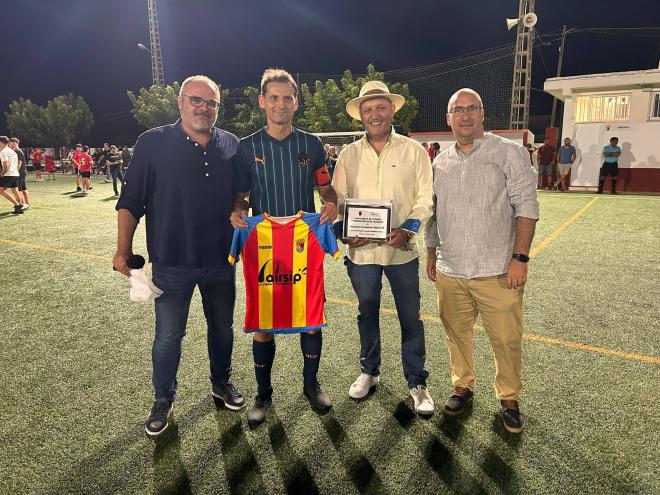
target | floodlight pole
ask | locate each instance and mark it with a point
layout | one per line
(157, 74)
(522, 70)
(559, 62)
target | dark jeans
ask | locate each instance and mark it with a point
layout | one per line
(115, 171)
(218, 289)
(404, 281)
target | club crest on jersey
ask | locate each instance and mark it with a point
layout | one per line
(261, 160)
(303, 159)
(300, 245)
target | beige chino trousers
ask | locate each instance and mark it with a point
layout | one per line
(459, 302)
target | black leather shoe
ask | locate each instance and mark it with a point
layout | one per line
(455, 405)
(229, 394)
(257, 414)
(513, 420)
(316, 397)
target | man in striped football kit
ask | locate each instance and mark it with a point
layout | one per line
(277, 168)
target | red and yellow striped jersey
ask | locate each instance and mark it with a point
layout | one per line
(283, 269)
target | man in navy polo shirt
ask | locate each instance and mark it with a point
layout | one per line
(180, 178)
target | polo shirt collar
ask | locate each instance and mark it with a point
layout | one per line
(179, 131)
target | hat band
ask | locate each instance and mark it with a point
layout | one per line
(375, 91)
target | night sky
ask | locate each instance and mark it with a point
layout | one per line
(89, 47)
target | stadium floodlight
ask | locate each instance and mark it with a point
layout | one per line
(142, 47)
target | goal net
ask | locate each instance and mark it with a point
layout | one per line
(339, 139)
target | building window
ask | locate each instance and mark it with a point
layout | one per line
(610, 108)
(655, 106)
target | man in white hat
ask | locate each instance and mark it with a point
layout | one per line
(384, 165)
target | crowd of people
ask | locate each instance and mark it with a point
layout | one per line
(108, 160)
(476, 204)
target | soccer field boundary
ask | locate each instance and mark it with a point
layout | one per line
(529, 336)
(546, 242)
(55, 250)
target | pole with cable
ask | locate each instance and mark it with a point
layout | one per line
(559, 63)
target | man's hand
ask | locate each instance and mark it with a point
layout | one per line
(516, 274)
(397, 238)
(120, 263)
(431, 269)
(236, 218)
(328, 212)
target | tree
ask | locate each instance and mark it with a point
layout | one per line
(325, 109)
(158, 106)
(68, 119)
(25, 120)
(249, 116)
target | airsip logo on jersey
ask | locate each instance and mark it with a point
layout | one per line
(303, 159)
(261, 160)
(270, 274)
(300, 245)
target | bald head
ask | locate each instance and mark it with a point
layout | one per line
(460, 92)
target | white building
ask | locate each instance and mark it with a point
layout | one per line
(617, 104)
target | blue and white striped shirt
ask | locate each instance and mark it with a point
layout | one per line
(279, 174)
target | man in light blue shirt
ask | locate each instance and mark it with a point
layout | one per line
(566, 158)
(610, 166)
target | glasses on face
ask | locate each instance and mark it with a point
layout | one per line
(472, 109)
(197, 102)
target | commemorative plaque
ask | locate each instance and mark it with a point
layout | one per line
(367, 219)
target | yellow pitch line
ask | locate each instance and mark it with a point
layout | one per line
(546, 242)
(55, 250)
(531, 336)
(425, 317)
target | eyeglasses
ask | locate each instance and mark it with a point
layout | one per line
(197, 101)
(472, 109)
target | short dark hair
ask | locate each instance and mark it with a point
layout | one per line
(4, 139)
(613, 138)
(85, 148)
(78, 145)
(277, 75)
(14, 140)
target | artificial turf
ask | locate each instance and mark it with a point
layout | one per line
(76, 387)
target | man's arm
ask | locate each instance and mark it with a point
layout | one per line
(241, 207)
(329, 208)
(126, 225)
(573, 156)
(516, 274)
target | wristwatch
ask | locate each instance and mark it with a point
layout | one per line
(523, 258)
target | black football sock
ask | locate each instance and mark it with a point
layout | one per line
(613, 185)
(311, 344)
(264, 355)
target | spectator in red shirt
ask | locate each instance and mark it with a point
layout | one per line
(36, 163)
(86, 163)
(76, 156)
(49, 162)
(547, 156)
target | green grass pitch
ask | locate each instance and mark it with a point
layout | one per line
(76, 368)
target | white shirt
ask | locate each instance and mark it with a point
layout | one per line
(401, 173)
(9, 155)
(477, 198)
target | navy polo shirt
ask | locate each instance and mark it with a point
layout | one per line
(186, 194)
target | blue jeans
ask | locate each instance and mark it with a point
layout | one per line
(115, 171)
(404, 281)
(218, 289)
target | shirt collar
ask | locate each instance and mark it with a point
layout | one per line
(476, 143)
(179, 130)
(392, 135)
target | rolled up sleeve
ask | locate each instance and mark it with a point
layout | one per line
(521, 182)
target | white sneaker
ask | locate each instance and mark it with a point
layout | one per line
(424, 404)
(360, 387)
(25, 207)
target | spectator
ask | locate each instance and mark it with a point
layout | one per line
(610, 166)
(36, 163)
(9, 175)
(566, 157)
(22, 173)
(547, 156)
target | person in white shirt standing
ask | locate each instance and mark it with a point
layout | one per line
(9, 174)
(478, 242)
(384, 165)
